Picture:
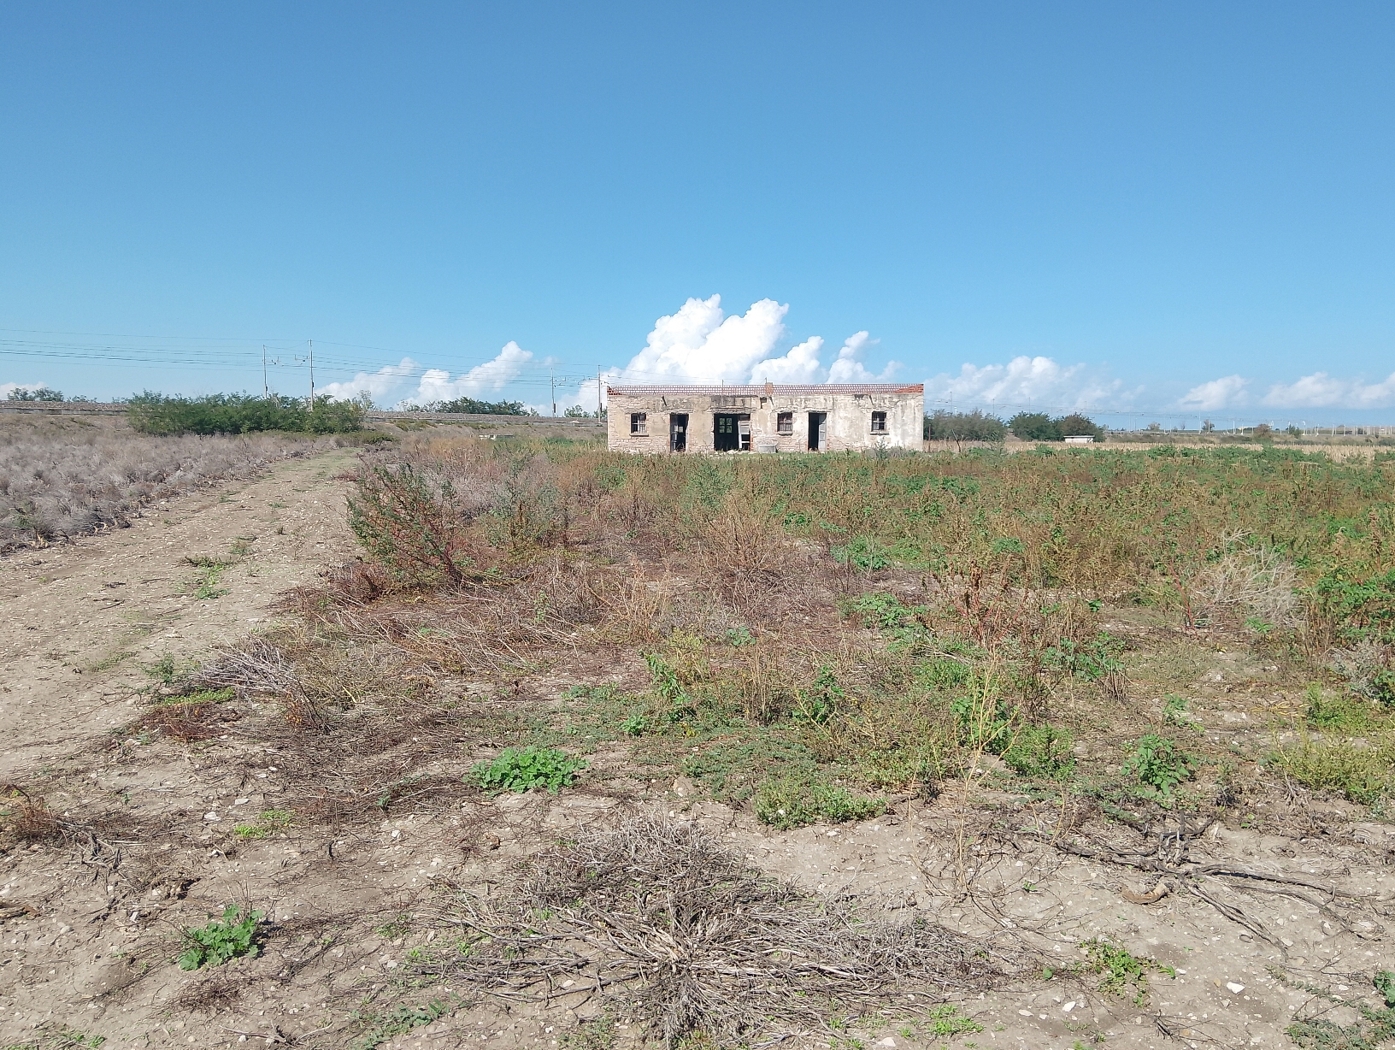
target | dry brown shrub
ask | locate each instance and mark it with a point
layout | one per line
(29, 819)
(257, 667)
(744, 556)
(187, 721)
(689, 939)
(1257, 582)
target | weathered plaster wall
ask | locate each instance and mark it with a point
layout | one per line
(849, 425)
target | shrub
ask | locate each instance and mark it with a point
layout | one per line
(862, 552)
(1091, 660)
(152, 413)
(37, 393)
(523, 768)
(1362, 774)
(793, 801)
(965, 426)
(819, 702)
(984, 722)
(220, 940)
(1041, 751)
(412, 523)
(480, 408)
(1159, 764)
(1038, 426)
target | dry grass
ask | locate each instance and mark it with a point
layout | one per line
(58, 481)
(693, 942)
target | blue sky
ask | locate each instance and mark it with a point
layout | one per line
(1150, 210)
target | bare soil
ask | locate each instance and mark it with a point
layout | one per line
(144, 846)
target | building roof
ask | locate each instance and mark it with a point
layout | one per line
(767, 390)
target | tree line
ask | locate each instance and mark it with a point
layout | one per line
(1027, 426)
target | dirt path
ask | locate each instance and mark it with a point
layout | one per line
(83, 621)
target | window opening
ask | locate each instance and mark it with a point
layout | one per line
(784, 423)
(639, 423)
(879, 422)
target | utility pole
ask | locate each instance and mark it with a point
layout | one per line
(552, 375)
(312, 374)
(266, 390)
(598, 391)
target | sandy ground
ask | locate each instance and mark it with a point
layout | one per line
(90, 927)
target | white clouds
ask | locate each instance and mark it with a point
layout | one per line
(848, 368)
(1321, 390)
(1226, 392)
(6, 389)
(701, 344)
(376, 384)
(1027, 381)
(799, 365)
(488, 378)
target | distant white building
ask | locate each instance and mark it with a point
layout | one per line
(765, 418)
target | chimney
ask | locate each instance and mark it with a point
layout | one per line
(769, 389)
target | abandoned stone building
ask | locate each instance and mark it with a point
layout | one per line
(765, 418)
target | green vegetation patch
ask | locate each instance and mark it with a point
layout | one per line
(1364, 772)
(152, 413)
(524, 768)
(220, 940)
(268, 822)
(380, 1026)
(793, 801)
(1120, 972)
(1160, 765)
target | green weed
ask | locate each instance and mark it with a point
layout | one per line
(793, 801)
(208, 574)
(1159, 765)
(1174, 712)
(268, 822)
(1364, 774)
(1119, 970)
(1339, 713)
(523, 768)
(945, 1020)
(220, 940)
(400, 1020)
(1041, 751)
(1089, 661)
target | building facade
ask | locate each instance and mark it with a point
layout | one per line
(765, 418)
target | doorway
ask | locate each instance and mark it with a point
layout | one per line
(818, 431)
(731, 431)
(678, 432)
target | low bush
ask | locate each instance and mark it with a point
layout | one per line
(413, 523)
(1363, 773)
(1041, 751)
